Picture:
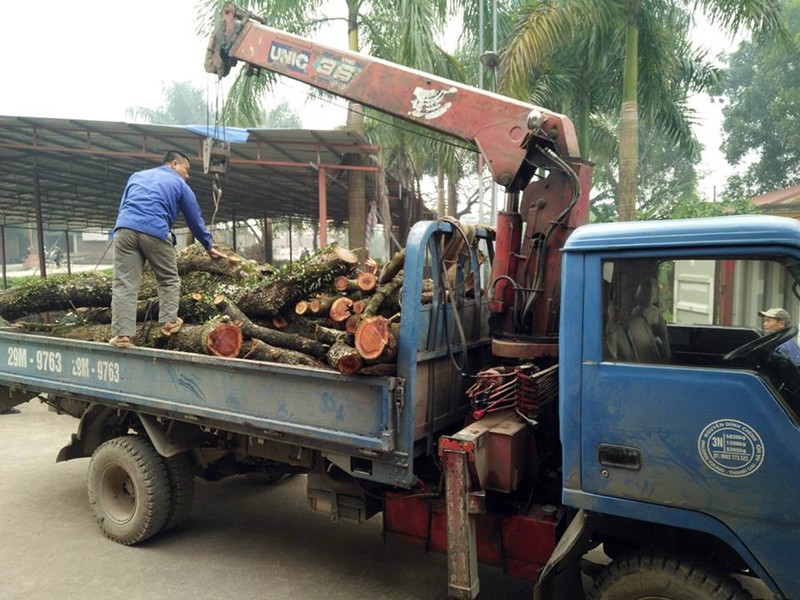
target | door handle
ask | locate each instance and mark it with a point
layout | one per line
(623, 457)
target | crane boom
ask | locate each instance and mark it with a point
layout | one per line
(530, 151)
(507, 132)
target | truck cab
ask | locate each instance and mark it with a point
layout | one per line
(679, 422)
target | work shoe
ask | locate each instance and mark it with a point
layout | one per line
(121, 341)
(10, 411)
(174, 327)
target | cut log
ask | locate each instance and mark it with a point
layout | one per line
(351, 326)
(380, 370)
(59, 292)
(358, 307)
(272, 337)
(393, 267)
(366, 282)
(300, 279)
(375, 341)
(302, 308)
(216, 337)
(344, 285)
(279, 322)
(194, 258)
(68, 292)
(262, 351)
(344, 358)
(329, 337)
(341, 309)
(322, 305)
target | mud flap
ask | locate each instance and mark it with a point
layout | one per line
(11, 397)
(98, 424)
(561, 577)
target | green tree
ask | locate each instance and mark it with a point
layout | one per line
(667, 178)
(282, 116)
(184, 104)
(761, 124)
(647, 41)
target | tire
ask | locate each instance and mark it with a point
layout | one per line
(129, 491)
(180, 472)
(658, 577)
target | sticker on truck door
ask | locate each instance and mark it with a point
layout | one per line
(731, 448)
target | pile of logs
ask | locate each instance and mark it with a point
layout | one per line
(325, 311)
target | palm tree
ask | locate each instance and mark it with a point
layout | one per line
(604, 28)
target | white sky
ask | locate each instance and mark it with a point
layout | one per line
(93, 59)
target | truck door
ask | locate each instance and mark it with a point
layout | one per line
(695, 442)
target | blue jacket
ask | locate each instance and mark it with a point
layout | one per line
(151, 201)
(790, 349)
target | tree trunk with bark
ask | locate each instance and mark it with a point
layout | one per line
(344, 358)
(270, 336)
(259, 350)
(301, 279)
(218, 338)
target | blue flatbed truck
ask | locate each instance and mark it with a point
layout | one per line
(674, 448)
(604, 387)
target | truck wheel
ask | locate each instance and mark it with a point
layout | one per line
(129, 490)
(180, 471)
(658, 577)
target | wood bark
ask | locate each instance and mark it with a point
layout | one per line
(329, 336)
(194, 258)
(215, 337)
(380, 370)
(260, 350)
(344, 358)
(393, 267)
(344, 285)
(69, 292)
(389, 292)
(272, 337)
(301, 279)
(218, 337)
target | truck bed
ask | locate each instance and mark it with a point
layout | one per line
(389, 420)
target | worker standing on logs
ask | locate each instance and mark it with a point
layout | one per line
(143, 231)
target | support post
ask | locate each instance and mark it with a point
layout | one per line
(67, 251)
(37, 203)
(233, 237)
(267, 240)
(291, 258)
(323, 208)
(462, 553)
(3, 255)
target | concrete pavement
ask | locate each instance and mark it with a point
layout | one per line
(242, 540)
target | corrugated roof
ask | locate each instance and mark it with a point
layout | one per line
(784, 196)
(82, 168)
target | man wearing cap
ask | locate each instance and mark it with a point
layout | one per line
(777, 319)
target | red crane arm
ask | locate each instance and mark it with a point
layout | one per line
(507, 132)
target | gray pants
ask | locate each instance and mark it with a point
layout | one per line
(131, 249)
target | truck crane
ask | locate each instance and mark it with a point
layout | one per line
(519, 142)
(609, 392)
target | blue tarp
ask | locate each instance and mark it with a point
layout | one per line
(234, 135)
